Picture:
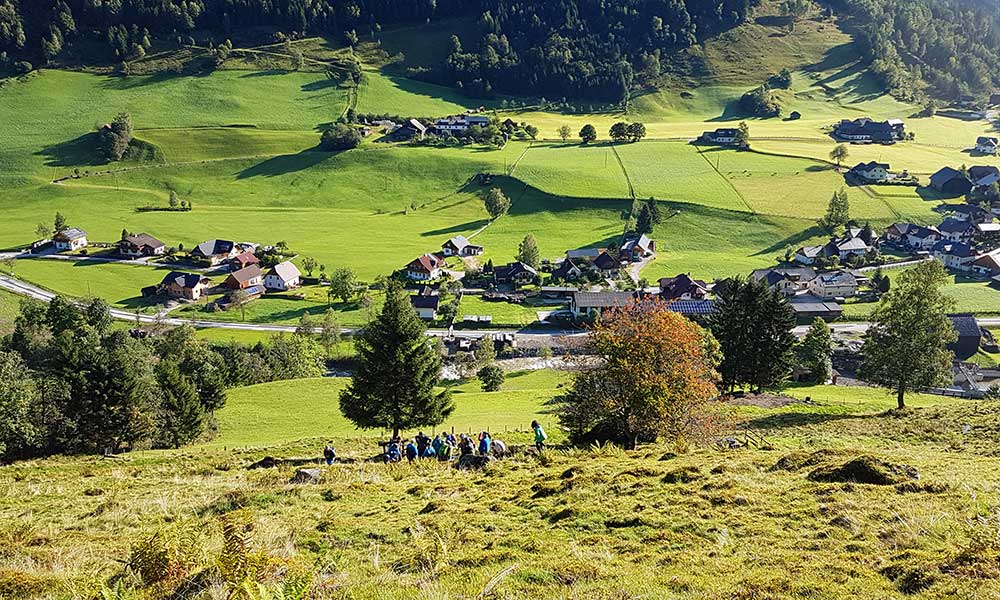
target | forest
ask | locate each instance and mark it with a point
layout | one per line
(951, 45)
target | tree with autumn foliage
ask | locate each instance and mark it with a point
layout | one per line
(655, 378)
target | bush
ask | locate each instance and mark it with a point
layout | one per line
(340, 137)
(23, 67)
(491, 377)
(761, 102)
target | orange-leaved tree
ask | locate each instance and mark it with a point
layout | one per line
(655, 377)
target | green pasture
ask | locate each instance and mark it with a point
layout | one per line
(970, 296)
(118, 284)
(286, 411)
(573, 170)
(390, 94)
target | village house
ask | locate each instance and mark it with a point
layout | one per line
(987, 145)
(984, 176)
(683, 287)
(951, 182)
(873, 172)
(787, 280)
(69, 239)
(215, 252)
(969, 336)
(459, 246)
(515, 273)
(856, 241)
(638, 248)
(986, 266)
(409, 130)
(922, 238)
(969, 212)
(586, 303)
(425, 268)
(426, 303)
(243, 260)
(139, 245)
(567, 270)
(865, 130)
(283, 277)
(896, 233)
(584, 255)
(954, 255)
(189, 286)
(607, 265)
(987, 230)
(245, 278)
(837, 284)
(957, 230)
(809, 307)
(726, 136)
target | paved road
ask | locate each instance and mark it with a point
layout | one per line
(547, 337)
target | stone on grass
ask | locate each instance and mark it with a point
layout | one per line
(306, 476)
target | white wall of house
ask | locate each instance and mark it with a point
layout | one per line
(273, 282)
(71, 245)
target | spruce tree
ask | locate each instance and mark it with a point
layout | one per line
(654, 211)
(397, 371)
(837, 211)
(644, 224)
(181, 415)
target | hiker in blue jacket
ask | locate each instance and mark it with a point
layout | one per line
(410, 451)
(485, 444)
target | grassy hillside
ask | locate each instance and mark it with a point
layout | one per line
(655, 523)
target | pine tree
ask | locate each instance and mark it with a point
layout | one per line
(181, 415)
(527, 252)
(397, 371)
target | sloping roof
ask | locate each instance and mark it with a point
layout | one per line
(800, 273)
(425, 263)
(836, 278)
(422, 301)
(564, 268)
(692, 307)
(246, 273)
(286, 271)
(965, 325)
(944, 175)
(417, 125)
(986, 141)
(953, 225)
(584, 253)
(513, 269)
(991, 262)
(810, 251)
(73, 233)
(246, 258)
(868, 166)
(213, 248)
(675, 287)
(606, 262)
(184, 280)
(958, 249)
(980, 172)
(144, 239)
(918, 231)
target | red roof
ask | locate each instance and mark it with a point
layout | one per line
(425, 263)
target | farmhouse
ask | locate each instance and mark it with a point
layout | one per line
(896, 233)
(189, 286)
(683, 287)
(638, 248)
(951, 182)
(141, 244)
(865, 130)
(954, 255)
(460, 123)
(424, 268)
(283, 277)
(726, 136)
(242, 260)
(70, 239)
(411, 129)
(855, 242)
(693, 309)
(838, 284)
(215, 252)
(247, 277)
(871, 171)
(584, 254)
(426, 303)
(987, 145)
(515, 273)
(459, 246)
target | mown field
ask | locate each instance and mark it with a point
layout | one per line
(241, 145)
(684, 522)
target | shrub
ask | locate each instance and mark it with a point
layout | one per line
(340, 137)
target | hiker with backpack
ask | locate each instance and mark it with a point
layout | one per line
(392, 453)
(540, 436)
(499, 449)
(329, 454)
(422, 443)
(465, 446)
(410, 451)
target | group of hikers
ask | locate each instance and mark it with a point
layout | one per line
(443, 447)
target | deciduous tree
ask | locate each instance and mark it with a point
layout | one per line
(838, 211)
(497, 203)
(527, 252)
(588, 133)
(839, 154)
(815, 351)
(564, 132)
(906, 346)
(655, 377)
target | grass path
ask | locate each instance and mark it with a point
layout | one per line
(628, 181)
(726, 179)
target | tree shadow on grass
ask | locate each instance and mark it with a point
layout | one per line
(792, 240)
(79, 152)
(470, 226)
(287, 163)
